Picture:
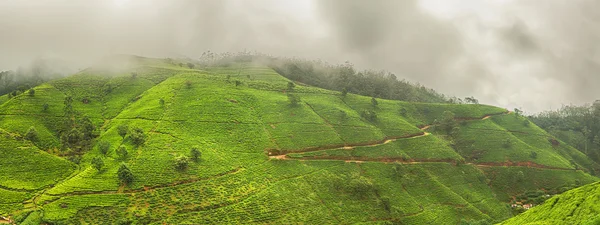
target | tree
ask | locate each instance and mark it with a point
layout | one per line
(45, 107)
(137, 135)
(507, 143)
(471, 100)
(526, 123)
(291, 86)
(374, 102)
(31, 92)
(190, 65)
(360, 186)
(181, 162)
(403, 112)
(188, 84)
(97, 163)
(237, 83)
(161, 101)
(125, 175)
(447, 122)
(344, 92)
(520, 176)
(31, 134)
(74, 136)
(533, 155)
(195, 153)
(343, 115)
(294, 99)
(369, 115)
(122, 152)
(134, 75)
(123, 130)
(87, 128)
(518, 112)
(104, 146)
(68, 108)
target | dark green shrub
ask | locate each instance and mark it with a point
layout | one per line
(104, 146)
(31, 134)
(125, 175)
(97, 163)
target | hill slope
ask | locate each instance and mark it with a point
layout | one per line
(270, 152)
(578, 206)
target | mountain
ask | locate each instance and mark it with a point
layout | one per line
(578, 206)
(139, 140)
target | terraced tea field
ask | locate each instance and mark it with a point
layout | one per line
(269, 153)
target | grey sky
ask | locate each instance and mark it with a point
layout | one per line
(532, 54)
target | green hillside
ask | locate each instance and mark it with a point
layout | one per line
(578, 206)
(270, 151)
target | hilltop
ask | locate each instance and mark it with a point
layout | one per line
(166, 141)
(578, 206)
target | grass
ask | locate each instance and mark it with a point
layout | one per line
(236, 127)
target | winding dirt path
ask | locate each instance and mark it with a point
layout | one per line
(387, 140)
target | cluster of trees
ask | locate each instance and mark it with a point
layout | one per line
(343, 77)
(77, 131)
(578, 126)
(182, 161)
(24, 78)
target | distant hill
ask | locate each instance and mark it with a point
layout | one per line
(578, 206)
(139, 140)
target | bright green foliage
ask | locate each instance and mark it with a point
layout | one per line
(97, 163)
(578, 206)
(354, 168)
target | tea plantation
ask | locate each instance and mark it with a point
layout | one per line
(153, 142)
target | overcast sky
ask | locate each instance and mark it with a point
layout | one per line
(533, 54)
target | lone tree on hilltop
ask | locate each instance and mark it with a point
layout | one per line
(195, 153)
(125, 175)
(97, 163)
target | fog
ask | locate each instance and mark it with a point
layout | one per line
(531, 54)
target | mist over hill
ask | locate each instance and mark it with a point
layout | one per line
(515, 54)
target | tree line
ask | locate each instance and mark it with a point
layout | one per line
(578, 126)
(338, 77)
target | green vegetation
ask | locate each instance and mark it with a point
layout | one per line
(578, 206)
(578, 126)
(164, 142)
